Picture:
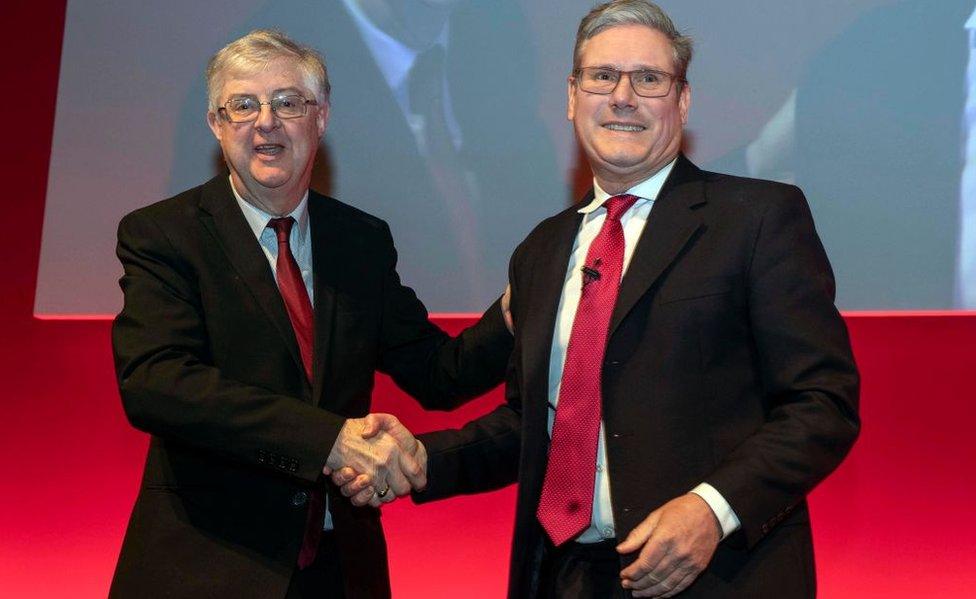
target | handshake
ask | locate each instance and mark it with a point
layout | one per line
(376, 459)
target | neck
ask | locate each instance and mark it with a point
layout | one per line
(617, 183)
(413, 23)
(277, 202)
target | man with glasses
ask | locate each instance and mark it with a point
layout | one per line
(681, 378)
(256, 314)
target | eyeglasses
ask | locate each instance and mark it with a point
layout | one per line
(646, 83)
(247, 108)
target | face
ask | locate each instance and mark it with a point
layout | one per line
(270, 159)
(628, 138)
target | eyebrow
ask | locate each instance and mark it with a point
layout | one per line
(284, 91)
(612, 67)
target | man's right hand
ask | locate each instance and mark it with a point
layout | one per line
(374, 456)
(382, 456)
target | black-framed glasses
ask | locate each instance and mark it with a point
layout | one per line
(647, 83)
(247, 108)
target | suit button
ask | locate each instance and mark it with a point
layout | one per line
(299, 499)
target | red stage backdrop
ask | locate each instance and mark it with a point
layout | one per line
(895, 521)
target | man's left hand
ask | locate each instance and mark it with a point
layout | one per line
(676, 542)
(507, 309)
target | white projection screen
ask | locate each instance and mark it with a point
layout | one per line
(859, 102)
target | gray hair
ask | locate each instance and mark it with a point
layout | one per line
(254, 51)
(634, 12)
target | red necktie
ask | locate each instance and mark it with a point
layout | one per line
(566, 504)
(299, 308)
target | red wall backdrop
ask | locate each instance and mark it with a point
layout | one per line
(895, 521)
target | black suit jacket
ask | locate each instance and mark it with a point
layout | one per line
(208, 364)
(727, 363)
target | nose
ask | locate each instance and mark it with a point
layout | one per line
(267, 120)
(623, 96)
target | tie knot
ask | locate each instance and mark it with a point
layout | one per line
(282, 227)
(617, 205)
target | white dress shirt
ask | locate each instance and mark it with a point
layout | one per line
(633, 221)
(300, 241)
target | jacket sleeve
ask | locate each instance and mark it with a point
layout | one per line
(439, 371)
(483, 455)
(167, 380)
(807, 372)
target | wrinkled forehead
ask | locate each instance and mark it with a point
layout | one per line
(267, 77)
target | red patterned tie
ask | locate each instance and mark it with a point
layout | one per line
(299, 308)
(566, 504)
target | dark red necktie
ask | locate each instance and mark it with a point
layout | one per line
(566, 504)
(299, 308)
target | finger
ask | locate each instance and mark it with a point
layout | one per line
(343, 476)
(372, 424)
(664, 570)
(355, 486)
(667, 586)
(648, 561)
(639, 535)
(507, 310)
(657, 582)
(682, 585)
(413, 470)
(363, 497)
(399, 484)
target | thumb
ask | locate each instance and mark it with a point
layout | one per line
(639, 535)
(373, 424)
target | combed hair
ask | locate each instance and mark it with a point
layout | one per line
(634, 12)
(254, 51)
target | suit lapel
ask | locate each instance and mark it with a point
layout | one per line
(670, 226)
(223, 218)
(324, 241)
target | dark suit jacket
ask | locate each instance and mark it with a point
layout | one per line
(208, 364)
(727, 363)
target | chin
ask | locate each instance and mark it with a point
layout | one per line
(270, 180)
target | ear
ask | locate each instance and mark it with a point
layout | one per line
(213, 121)
(570, 98)
(322, 118)
(684, 102)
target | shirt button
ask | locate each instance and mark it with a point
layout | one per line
(599, 468)
(608, 533)
(299, 499)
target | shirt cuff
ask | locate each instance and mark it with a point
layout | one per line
(720, 507)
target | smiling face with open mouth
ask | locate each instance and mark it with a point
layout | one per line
(270, 158)
(627, 138)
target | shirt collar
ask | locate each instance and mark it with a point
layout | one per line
(393, 57)
(258, 219)
(971, 21)
(646, 190)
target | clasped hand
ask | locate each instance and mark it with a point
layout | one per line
(376, 459)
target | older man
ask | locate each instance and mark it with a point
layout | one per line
(256, 314)
(681, 378)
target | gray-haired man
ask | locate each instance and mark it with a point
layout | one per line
(256, 314)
